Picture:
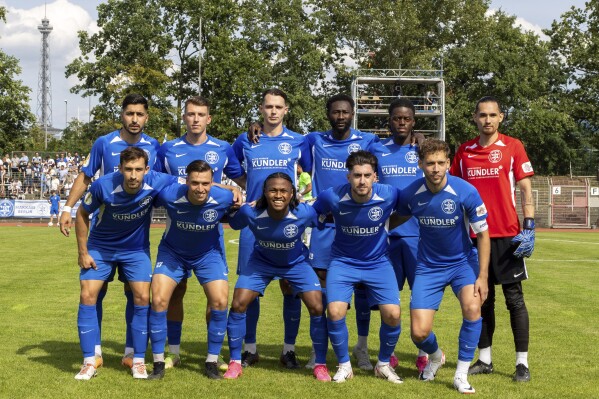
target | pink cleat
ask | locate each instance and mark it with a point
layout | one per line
(321, 372)
(393, 361)
(421, 363)
(234, 371)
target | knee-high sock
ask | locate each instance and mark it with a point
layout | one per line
(158, 327)
(216, 330)
(488, 314)
(139, 330)
(129, 311)
(292, 313)
(174, 332)
(468, 339)
(362, 312)
(338, 335)
(251, 321)
(429, 345)
(388, 336)
(320, 339)
(100, 311)
(514, 300)
(236, 331)
(87, 324)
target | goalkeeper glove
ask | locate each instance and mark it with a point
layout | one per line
(526, 239)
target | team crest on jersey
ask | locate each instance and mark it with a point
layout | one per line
(210, 215)
(353, 148)
(285, 148)
(481, 210)
(527, 167)
(145, 201)
(411, 157)
(290, 231)
(448, 206)
(375, 213)
(211, 157)
(495, 156)
(88, 199)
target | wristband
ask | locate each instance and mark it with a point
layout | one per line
(529, 224)
(66, 209)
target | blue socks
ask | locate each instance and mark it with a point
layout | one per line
(216, 330)
(173, 329)
(468, 338)
(388, 336)
(236, 331)
(100, 311)
(292, 313)
(362, 312)
(319, 336)
(429, 345)
(139, 330)
(129, 310)
(251, 322)
(158, 330)
(338, 335)
(87, 324)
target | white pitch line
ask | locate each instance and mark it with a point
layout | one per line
(572, 241)
(563, 260)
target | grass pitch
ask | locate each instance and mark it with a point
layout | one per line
(40, 352)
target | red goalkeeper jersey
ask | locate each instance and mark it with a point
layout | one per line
(494, 171)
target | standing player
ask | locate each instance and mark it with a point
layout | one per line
(119, 238)
(174, 156)
(279, 150)
(361, 210)
(54, 201)
(104, 158)
(192, 241)
(444, 205)
(278, 221)
(494, 163)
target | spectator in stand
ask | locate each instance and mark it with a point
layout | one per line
(50, 161)
(23, 161)
(62, 174)
(14, 164)
(76, 159)
(68, 184)
(69, 158)
(61, 161)
(36, 160)
(29, 178)
(2, 179)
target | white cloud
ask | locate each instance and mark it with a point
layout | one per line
(524, 25)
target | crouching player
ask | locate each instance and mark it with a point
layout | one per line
(119, 237)
(443, 205)
(191, 241)
(277, 221)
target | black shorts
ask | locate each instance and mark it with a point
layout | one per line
(505, 268)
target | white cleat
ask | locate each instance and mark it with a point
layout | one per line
(460, 382)
(362, 358)
(87, 372)
(343, 374)
(432, 366)
(388, 373)
(139, 371)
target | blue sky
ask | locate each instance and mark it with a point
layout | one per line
(19, 37)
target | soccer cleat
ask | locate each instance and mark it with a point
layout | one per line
(249, 359)
(50, 224)
(139, 371)
(312, 362)
(480, 367)
(99, 361)
(393, 361)
(211, 371)
(460, 382)
(362, 357)
(321, 372)
(127, 360)
(432, 366)
(222, 366)
(157, 371)
(87, 372)
(522, 373)
(388, 373)
(234, 371)
(421, 363)
(289, 360)
(172, 360)
(343, 374)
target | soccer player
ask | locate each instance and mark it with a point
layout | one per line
(174, 156)
(444, 205)
(54, 201)
(495, 163)
(361, 210)
(192, 241)
(279, 150)
(398, 166)
(277, 221)
(119, 237)
(104, 158)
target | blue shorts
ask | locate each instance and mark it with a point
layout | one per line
(208, 267)
(321, 242)
(402, 254)
(258, 274)
(430, 282)
(246, 247)
(53, 211)
(222, 252)
(378, 279)
(135, 266)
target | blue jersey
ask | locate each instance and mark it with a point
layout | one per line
(278, 242)
(192, 230)
(105, 153)
(361, 229)
(281, 153)
(443, 218)
(175, 155)
(55, 201)
(329, 156)
(398, 166)
(122, 221)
